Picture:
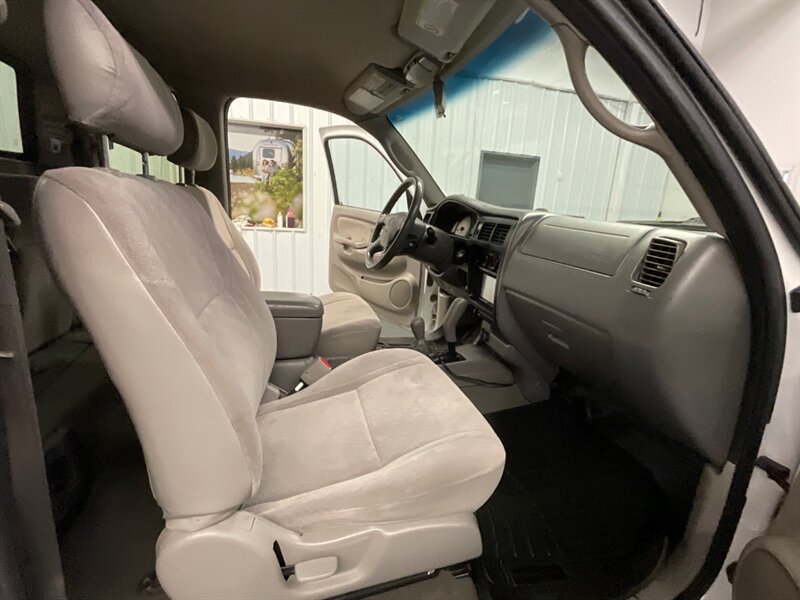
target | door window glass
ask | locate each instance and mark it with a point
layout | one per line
(362, 177)
(10, 129)
(128, 160)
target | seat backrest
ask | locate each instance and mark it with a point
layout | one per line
(46, 312)
(180, 326)
(199, 153)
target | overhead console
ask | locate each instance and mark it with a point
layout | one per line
(655, 320)
(439, 29)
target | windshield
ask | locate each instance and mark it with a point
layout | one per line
(516, 135)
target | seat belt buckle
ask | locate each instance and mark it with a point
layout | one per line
(318, 369)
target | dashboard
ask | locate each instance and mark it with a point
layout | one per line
(479, 234)
(654, 318)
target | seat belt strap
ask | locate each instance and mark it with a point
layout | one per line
(38, 560)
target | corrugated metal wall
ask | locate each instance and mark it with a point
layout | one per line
(291, 260)
(363, 177)
(126, 160)
(580, 161)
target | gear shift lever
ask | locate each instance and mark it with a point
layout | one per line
(450, 322)
(418, 329)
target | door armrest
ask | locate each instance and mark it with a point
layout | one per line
(349, 243)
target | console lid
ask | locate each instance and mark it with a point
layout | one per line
(292, 305)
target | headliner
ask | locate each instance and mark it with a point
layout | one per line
(303, 51)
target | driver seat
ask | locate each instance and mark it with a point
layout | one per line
(369, 475)
(350, 327)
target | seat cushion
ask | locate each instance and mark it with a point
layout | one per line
(349, 327)
(385, 437)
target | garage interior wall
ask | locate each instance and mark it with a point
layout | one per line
(584, 169)
(753, 47)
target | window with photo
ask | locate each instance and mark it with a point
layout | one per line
(265, 171)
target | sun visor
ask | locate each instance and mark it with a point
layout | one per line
(441, 27)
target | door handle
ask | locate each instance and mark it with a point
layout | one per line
(348, 243)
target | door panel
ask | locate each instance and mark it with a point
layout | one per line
(393, 291)
(363, 179)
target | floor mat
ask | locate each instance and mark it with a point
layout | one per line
(111, 544)
(573, 517)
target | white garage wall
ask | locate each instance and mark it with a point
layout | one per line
(753, 46)
(363, 178)
(292, 260)
(584, 169)
(576, 154)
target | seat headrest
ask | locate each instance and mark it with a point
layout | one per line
(106, 85)
(199, 149)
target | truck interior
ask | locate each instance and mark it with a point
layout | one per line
(570, 407)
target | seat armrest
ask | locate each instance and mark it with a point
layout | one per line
(298, 322)
(291, 305)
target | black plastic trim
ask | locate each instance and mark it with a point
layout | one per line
(385, 587)
(794, 300)
(331, 173)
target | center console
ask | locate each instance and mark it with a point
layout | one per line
(298, 322)
(479, 241)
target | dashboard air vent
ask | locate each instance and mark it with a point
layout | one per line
(485, 231)
(658, 261)
(500, 233)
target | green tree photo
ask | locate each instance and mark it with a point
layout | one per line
(287, 183)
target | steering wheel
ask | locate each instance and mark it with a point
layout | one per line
(390, 235)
